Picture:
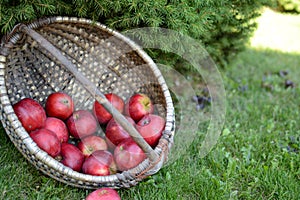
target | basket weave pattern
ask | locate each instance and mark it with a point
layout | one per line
(108, 59)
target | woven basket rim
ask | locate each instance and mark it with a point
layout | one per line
(6, 105)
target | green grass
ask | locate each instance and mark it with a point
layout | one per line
(257, 156)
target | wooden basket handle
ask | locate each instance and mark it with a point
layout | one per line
(93, 90)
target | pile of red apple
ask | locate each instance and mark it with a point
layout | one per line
(56, 126)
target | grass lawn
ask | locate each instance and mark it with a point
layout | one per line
(257, 155)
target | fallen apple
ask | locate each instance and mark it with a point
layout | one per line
(59, 105)
(101, 113)
(71, 156)
(151, 127)
(81, 124)
(47, 141)
(128, 155)
(30, 113)
(90, 144)
(99, 163)
(104, 194)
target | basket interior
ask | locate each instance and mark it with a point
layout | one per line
(106, 60)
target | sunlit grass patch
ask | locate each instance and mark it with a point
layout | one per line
(278, 32)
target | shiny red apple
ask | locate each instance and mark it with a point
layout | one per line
(47, 141)
(128, 155)
(82, 123)
(102, 114)
(59, 105)
(90, 144)
(104, 194)
(71, 156)
(115, 133)
(99, 163)
(30, 113)
(151, 127)
(58, 127)
(139, 105)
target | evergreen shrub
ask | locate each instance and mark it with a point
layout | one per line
(222, 26)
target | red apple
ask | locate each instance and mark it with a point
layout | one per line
(81, 124)
(71, 156)
(139, 105)
(128, 155)
(110, 145)
(47, 141)
(151, 127)
(99, 163)
(102, 114)
(58, 127)
(126, 109)
(30, 113)
(90, 144)
(59, 105)
(115, 132)
(103, 194)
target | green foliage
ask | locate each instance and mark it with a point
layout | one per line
(289, 5)
(224, 27)
(15, 11)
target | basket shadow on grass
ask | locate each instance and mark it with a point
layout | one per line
(249, 161)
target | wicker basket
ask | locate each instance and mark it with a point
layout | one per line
(85, 60)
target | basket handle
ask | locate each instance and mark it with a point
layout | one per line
(93, 90)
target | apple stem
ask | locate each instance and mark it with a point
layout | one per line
(93, 90)
(145, 122)
(59, 158)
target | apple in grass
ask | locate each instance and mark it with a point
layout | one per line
(47, 141)
(115, 133)
(81, 124)
(138, 106)
(58, 127)
(30, 113)
(59, 105)
(104, 194)
(102, 114)
(71, 156)
(90, 144)
(128, 155)
(151, 127)
(99, 163)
